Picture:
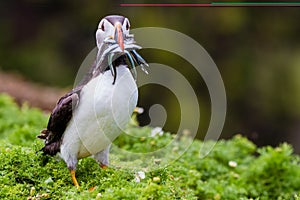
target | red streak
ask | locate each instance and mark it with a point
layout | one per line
(165, 5)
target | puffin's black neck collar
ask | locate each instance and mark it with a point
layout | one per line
(121, 60)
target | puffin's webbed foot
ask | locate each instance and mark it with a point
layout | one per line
(103, 166)
(74, 178)
(102, 157)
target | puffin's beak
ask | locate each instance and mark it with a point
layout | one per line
(119, 35)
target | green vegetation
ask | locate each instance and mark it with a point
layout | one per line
(234, 169)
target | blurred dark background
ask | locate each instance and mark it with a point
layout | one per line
(257, 51)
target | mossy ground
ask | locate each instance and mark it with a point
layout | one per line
(234, 169)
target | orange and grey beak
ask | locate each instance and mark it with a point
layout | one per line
(119, 35)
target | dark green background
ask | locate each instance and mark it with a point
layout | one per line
(257, 51)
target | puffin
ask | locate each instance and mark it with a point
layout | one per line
(86, 120)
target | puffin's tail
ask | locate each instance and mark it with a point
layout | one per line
(50, 148)
(43, 134)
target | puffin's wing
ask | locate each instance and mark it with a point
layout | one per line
(58, 121)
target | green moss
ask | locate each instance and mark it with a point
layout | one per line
(234, 169)
(19, 126)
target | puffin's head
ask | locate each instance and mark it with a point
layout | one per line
(114, 27)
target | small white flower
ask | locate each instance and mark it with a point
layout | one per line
(137, 179)
(139, 110)
(99, 195)
(232, 164)
(139, 175)
(155, 131)
(49, 180)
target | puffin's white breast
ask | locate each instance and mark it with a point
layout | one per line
(103, 111)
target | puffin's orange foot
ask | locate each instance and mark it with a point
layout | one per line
(74, 178)
(103, 166)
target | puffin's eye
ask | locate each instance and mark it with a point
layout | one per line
(102, 27)
(127, 26)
